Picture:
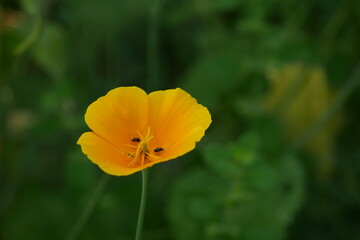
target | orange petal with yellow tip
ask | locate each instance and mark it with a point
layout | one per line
(107, 156)
(177, 122)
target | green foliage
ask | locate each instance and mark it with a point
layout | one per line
(50, 51)
(32, 7)
(246, 194)
(207, 74)
(243, 181)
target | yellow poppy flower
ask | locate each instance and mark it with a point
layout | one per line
(132, 130)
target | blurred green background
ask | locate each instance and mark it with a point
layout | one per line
(281, 159)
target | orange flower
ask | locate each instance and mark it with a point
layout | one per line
(132, 130)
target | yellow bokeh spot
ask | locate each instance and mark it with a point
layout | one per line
(299, 95)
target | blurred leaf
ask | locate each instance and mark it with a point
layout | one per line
(50, 51)
(226, 4)
(214, 74)
(270, 133)
(249, 107)
(194, 201)
(32, 7)
(246, 194)
(243, 152)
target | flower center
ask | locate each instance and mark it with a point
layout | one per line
(142, 151)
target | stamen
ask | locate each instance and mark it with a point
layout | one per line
(158, 149)
(140, 135)
(129, 145)
(142, 152)
(131, 164)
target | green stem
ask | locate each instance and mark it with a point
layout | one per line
(89, 207)
(31, 38)
(142, 204)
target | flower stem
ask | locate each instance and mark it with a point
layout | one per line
(142, 204)
(31, 38)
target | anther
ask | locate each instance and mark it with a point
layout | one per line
(136, 140)
(158, 149)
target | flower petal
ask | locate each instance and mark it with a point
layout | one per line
(177, 122)
(119, 115)
(107, 156)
